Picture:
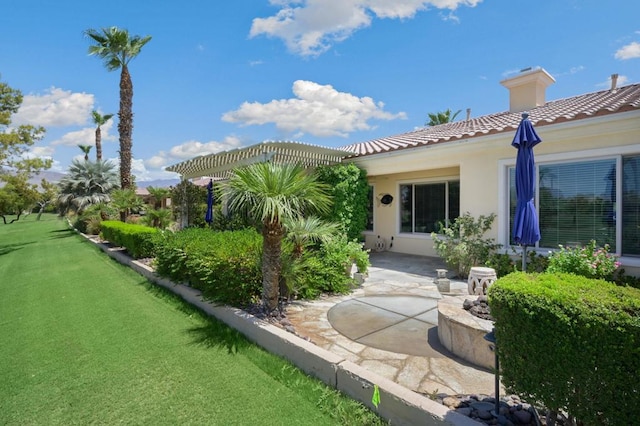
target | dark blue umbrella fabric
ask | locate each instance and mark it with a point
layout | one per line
(209, 216)
(526, 230)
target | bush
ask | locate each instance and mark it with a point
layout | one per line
(462, 245)
(570, 343)
(225, 266)
(589, 261)
(505, 263)
(139, 240)
(327, 269)
(349, 191)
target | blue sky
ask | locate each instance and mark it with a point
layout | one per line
(219, 75)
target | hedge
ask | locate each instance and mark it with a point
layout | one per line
(137, 239)
(570, 343)
(225, 266)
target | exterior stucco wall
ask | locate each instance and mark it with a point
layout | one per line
(481, 165)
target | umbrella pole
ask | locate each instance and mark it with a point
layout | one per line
(524, 258)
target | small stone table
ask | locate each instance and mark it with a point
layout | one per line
(480, 278)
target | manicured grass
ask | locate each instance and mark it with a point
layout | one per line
(86, 340)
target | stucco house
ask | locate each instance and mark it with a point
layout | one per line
(588, 170)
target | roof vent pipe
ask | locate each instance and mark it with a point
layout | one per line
(468, 113)
(614, 82)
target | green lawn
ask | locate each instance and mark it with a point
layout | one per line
(86, 340)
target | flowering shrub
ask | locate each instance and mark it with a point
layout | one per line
(589, 261)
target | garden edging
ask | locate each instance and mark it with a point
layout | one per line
(398, 404)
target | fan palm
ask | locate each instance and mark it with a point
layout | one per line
(303, 231)
(159, 196)
(85, 150)
(86, 183)
(126, 200)
(99, 120)
(441, 117)
(117, 48)
(272, 194)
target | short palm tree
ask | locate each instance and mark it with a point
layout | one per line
(441, 117)
(126, 200)
(303, 231)
(159, 196)
(272, 194)
(86, 183)
(85, 150)
(99, 120)
(117, 48)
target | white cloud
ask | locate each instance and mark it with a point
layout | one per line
(622, 80)
(55, 108)
(43, 151)
(316, 109)
(630, 51)
(311, 27)
(86, 136)
(190, 149)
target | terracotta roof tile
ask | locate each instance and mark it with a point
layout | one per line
(625, 98)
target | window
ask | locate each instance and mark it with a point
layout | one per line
(631, 205)
(424, 206)
(577, 202)
(369, 226)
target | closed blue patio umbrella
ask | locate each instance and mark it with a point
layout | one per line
(526, 229)
(209, 216)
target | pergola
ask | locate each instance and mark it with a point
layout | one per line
(220, 165)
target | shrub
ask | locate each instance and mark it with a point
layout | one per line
(349, 191)
(225, 266)
(191, 200)
(139, 240)
(327, 269)
(570, 343)
(462, 245)
(505, 263)
(589, 261)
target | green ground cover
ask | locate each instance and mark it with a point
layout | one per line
(86, 340)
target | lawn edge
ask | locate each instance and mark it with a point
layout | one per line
(398, 405)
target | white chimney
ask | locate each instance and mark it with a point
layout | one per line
(614, 82)
(527, 89)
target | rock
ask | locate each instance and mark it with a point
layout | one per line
(467, 304)
(502, 420)
(451, 402)
(290, 329)
(484, 415)
(523, 417)
(285, 322)
(465, 411)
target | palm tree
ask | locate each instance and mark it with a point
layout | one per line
(85, 149)
(117, 48)
(441, 117)
(126, 200)
(272, 194)
(159, 196)
(304, 231)
(99, 120)
(85, 184)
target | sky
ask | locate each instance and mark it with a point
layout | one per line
(220, 75)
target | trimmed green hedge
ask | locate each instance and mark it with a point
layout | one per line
(137, 239)
(225, 266)
(570, 343)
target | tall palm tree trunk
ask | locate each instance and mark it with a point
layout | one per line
(125, 126)
(98, 144)
(271, 264)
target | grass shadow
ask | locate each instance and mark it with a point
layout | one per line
(8, 248)
(61, 233)
(216, 334)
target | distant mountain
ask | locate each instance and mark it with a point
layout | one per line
(158, 183)
(50, 176)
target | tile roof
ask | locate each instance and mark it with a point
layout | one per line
(626, 98)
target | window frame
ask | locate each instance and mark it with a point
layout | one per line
(563, 158)
(429, 181)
